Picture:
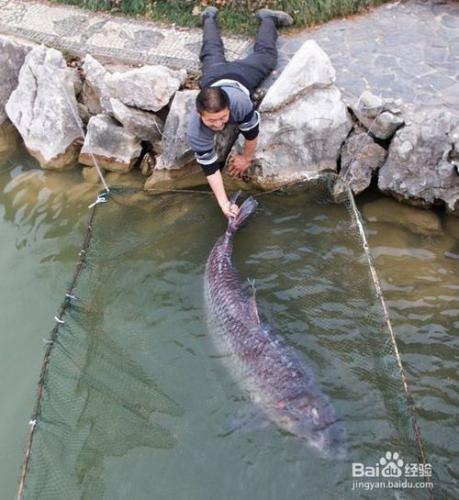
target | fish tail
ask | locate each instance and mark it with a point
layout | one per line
(245, 211)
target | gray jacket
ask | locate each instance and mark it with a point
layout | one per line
(242, 113)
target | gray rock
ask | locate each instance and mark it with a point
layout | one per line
(175, 152)
(44, 110)
(90, 99)
(369, 104)
(143, 124)
(147, 165)
(361, 157)
(454, 154)
(77, 81)
(149, 87)
(95, 95)
(84, 113)
(12, 57)
(113, 147)
(309, 69)
(303, 125)
(420, 166)
(382, 117)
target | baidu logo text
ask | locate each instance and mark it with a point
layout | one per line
(391, 471)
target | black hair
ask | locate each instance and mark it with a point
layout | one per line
(212, 100)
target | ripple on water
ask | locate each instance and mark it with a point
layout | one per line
(421, 286)
(312, 286)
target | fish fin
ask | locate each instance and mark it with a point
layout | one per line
(246, 419)
(245, 211)
(235, 196)
(231, 221)
(253, 310)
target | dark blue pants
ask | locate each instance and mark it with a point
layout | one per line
(250, 71)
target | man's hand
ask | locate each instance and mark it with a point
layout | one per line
(238, 164)
(230, 209)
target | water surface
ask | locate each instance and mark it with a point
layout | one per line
(145, 399)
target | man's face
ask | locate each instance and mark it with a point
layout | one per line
(215, 121)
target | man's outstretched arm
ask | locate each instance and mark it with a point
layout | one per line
(215, 181)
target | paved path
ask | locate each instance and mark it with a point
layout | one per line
(107, 36)
(406, 50)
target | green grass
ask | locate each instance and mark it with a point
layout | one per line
(236, 16)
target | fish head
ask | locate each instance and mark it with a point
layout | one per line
(329, 440)
(313, 419)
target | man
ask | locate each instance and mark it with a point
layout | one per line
(225, 97)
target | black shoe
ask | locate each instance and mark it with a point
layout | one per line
(280, 17)
(208, 13)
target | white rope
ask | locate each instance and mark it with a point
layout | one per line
(77, 121)
(377, 285)
(366, 247)
(100, 199)
(380, 295)
(378, 288)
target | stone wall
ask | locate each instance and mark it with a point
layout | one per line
(71, 113)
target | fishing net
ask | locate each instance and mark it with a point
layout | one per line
(132, 400)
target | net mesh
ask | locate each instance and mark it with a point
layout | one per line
(132, 399)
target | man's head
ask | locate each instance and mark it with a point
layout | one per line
(212, 104)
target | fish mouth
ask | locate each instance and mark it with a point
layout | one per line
(329, 439)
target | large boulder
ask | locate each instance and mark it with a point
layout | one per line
(111, 145)
(147, 164)
(308, 70)
(149, 87)
(361, 158)
(44, 110)
(175, 152)
(421, 168)
(143, 124)
(12, 56)
(381, 117)
(176, 164)
(95, 95)
(304, 122)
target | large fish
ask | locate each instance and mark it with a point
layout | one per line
(274, 374)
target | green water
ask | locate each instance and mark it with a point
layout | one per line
(143, 304)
